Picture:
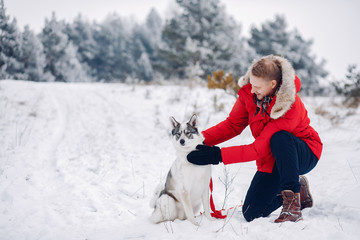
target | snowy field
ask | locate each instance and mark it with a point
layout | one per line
(81, 161)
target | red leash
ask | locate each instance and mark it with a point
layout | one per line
(215, 213)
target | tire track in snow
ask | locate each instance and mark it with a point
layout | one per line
(60, 123)
(86, 154)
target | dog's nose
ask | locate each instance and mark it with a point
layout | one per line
(182, 142)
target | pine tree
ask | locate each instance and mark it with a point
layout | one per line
(70, 67)
(80, 33)
(144, 70)
(60, 53)
(10, 47)
(349, 87)
(202, 32)
(118, 51)
(101, 62)
(33, 57)
(273, 38)
(3, 27)
(150, 33)
(174, 56)
(146, 39)
(154, 25)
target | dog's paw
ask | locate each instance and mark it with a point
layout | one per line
(196, 224)
(193, 221)
(208, 216)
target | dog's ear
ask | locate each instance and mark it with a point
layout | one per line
(174, 123)
(193, 121)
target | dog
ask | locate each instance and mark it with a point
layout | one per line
(187, 185)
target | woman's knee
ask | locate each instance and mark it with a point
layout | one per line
(247, 214)
(251, 213)
(279, 139)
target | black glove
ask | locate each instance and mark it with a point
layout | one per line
(205, 155)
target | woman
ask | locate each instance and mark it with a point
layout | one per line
(285, 145)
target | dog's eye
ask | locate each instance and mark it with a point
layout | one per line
(191, 131)
(176, 134)
(189, 134)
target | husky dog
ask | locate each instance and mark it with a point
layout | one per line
(187, 185)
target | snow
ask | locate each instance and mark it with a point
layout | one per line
(81, 161)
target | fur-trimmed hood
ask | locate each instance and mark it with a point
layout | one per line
(286, 95)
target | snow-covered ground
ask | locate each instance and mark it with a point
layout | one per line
(81, 161)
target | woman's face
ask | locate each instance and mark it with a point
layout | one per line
(261, 87)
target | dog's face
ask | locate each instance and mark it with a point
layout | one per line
(185, 136)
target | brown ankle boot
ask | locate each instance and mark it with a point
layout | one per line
(291, 207)
(306, 199)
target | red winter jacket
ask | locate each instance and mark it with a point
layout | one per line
(287, 112)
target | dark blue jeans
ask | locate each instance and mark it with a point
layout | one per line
(293, 157)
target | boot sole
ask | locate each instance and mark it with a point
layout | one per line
(297, 220)
(308, 190)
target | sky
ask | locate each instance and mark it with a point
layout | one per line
(333, 25)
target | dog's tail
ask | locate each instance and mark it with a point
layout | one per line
(156, 195)
(165, 209)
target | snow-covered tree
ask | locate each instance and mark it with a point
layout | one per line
(349, 87)
(70, 67)
(33, 57)
(80, 33)
(10, 47)
(113, 60)
(194, 73)
(144, 70)
(60, 53)
(201, 31)
(147, 38)
(273, 38)
(154, 23)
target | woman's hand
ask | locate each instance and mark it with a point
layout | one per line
(205, 155)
